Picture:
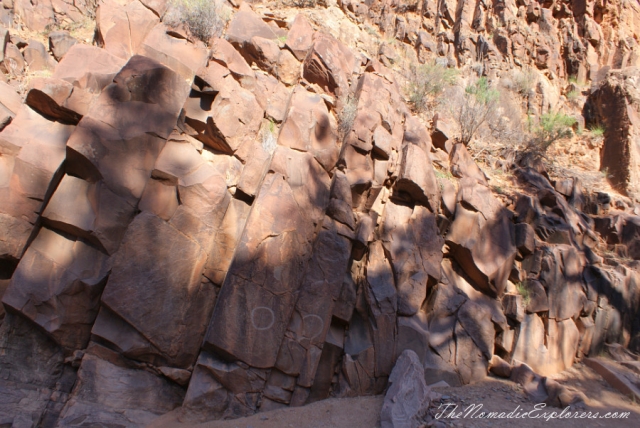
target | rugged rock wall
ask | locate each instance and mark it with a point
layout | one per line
(195, 227)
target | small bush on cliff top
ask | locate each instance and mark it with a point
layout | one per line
(201, 17)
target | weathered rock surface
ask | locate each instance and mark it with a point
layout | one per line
(257, 223)
(408, 394)
(615, 106)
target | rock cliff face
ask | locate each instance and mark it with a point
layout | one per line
(200, 227)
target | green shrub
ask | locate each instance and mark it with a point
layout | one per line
(554, 126)
(524, 292)
(477, 107)
(201, 17)
(597, 131)
(428, 81)
(573, 95)
(551, 127)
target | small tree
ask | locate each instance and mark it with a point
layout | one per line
(427, 81)
(478, 104)
(551, 128)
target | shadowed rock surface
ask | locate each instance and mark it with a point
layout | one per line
(260, 221)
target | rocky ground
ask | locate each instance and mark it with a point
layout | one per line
(495, 394)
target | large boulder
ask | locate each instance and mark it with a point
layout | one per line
(120, 137)
(482, 237)
(228, 122)
(408, 395)
(330, 64)
(108, 393)
(145, 276)
(311, 128)
(123, 25)
(57, 285)
(412, 240)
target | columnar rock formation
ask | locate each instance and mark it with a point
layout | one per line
(183, 226)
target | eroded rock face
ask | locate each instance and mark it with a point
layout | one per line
(183, 226)
(615, 106)
(482, 237)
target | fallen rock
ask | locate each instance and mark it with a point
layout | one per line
(59, 43)
(613, 377)
(408, 394)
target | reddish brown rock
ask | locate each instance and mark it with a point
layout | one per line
(359, 168)
(272, 96)
(36, 56)
(383, 303)
(500, 367)
(525, 239)
(288, 68)
(256, 162)
(127, 127)
(562, 275)
(223, 52)
(416, 177)
(408, 393)
(226, 241)
(470, 362)
(257, 297)
(108, 393)
(513, 305)
(311, 319)
(123, 26)
(33, 151)
(59, 43)
(546, 353)
(14, 62)
(538, 300)
(462, 165)
(300, 37)
(145, 276)
(442, 133)
(36, 16)
(263, 52)
(245, 25)
(50, 97)
(159, 7)
(9, 98)
(412, 240)
(614, 106)
(58, 284)
(88, 67)
(160, 198)
(177, 159)
(177, 54)
(233, 119)
(329, 64)
(310, 127)
(99, 215)
(472, 231)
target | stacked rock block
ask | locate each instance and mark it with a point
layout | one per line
(191, 227)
